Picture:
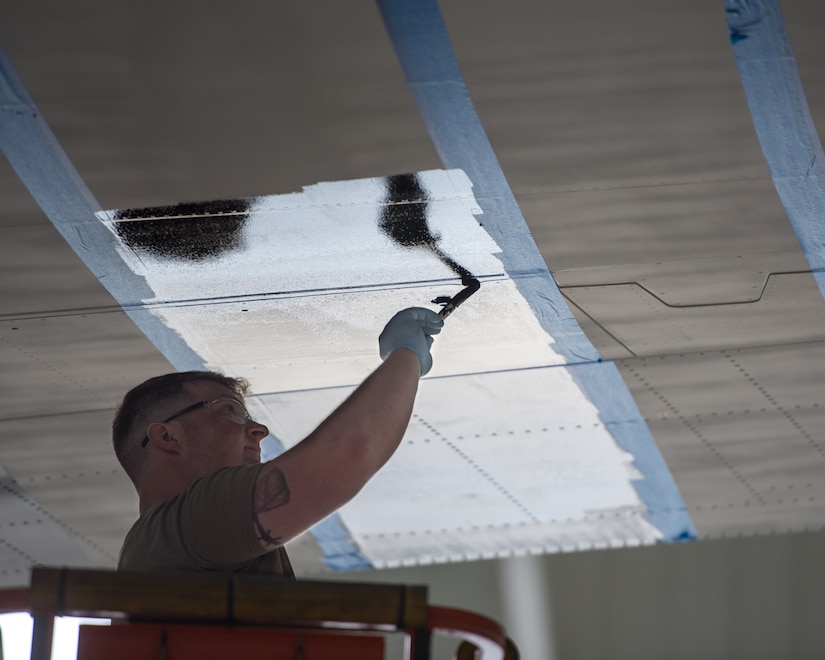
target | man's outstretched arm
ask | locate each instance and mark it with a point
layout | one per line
(328, 468)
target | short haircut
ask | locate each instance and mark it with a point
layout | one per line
(150, 402)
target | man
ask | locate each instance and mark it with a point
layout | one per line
(193, 454)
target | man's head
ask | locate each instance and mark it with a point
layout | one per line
(192, 410)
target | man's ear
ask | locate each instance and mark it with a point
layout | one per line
(161, 435)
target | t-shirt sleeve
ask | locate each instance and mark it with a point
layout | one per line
(208, 526)
(215, 518)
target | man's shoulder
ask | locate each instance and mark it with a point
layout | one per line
(224, 485)
(203, 520)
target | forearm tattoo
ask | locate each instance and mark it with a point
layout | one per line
(271, 492)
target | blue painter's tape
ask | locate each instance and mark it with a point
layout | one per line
(786, 131)
(423, 47)
(52, 180)
(55, 184)
(339, 552)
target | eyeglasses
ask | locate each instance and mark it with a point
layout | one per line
(224, 406)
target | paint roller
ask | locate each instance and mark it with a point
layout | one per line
(404, 220)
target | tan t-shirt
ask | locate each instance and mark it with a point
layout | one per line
(206, 527)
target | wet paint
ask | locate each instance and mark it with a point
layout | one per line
(190, 231)
(404, 219)
(322, 239)
(297, 309)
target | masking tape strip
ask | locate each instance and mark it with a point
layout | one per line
(423, 47)
(340, 553)
(783, 123)
(45, 169)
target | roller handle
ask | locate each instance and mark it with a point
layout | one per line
(471, 285)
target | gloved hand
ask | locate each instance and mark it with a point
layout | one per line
(411, 328)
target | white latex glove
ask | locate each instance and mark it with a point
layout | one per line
(411, 328)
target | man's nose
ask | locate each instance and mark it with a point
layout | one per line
(257, 430)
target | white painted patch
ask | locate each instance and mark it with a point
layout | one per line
(505, 454)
